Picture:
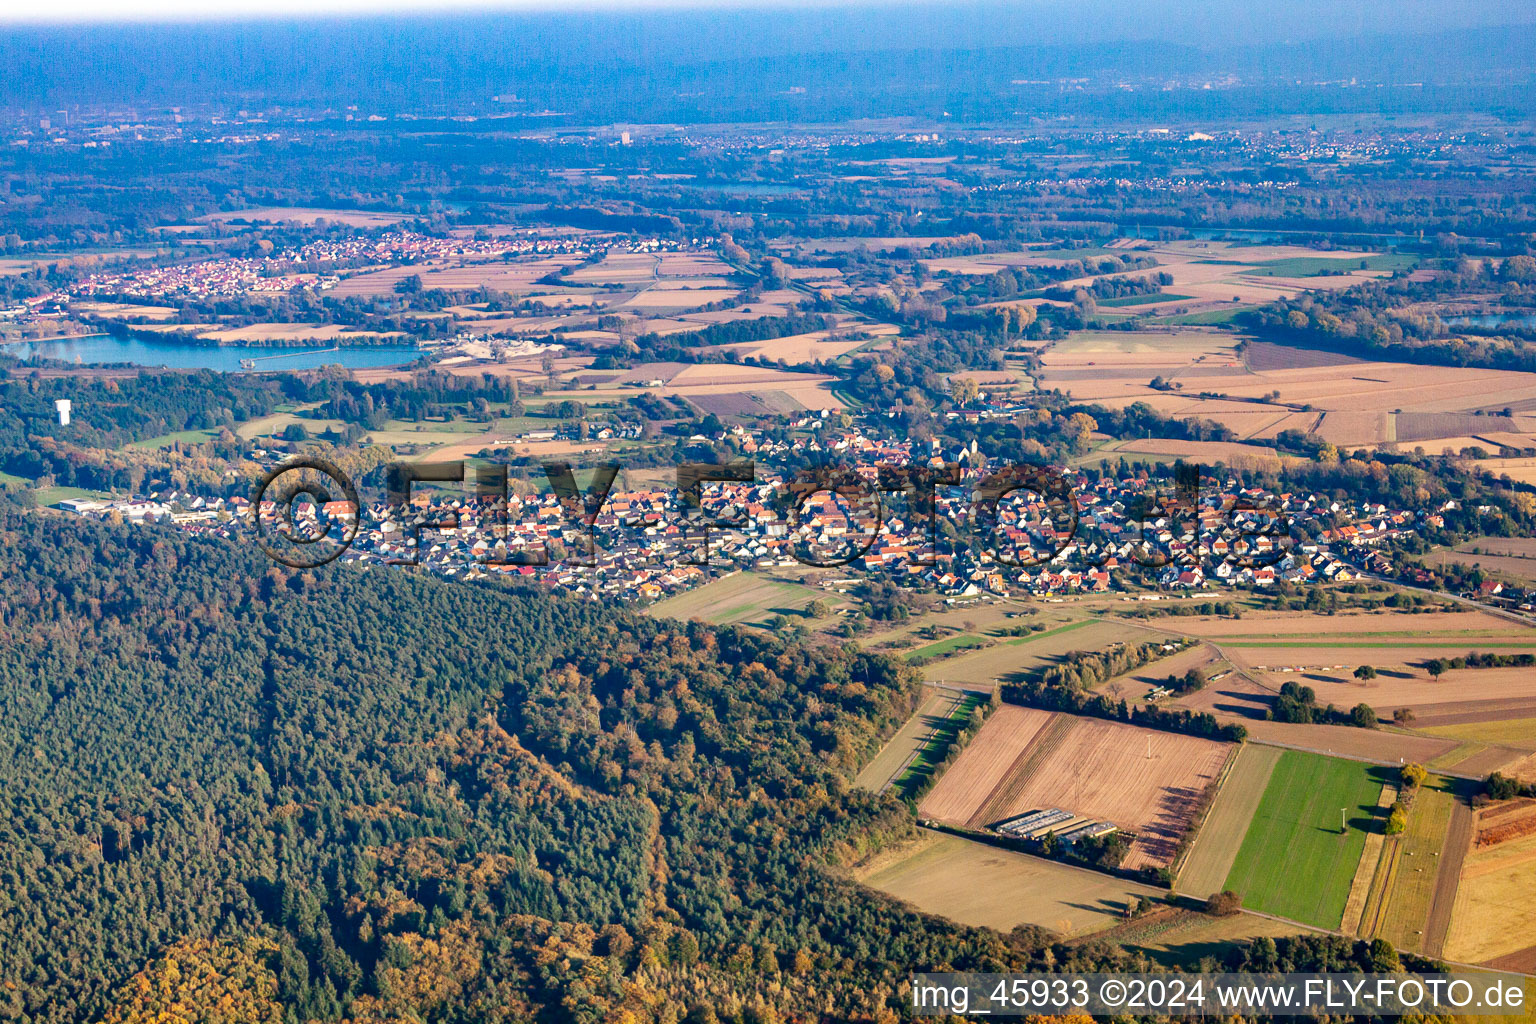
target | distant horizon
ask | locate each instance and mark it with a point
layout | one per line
(1047, 21)
(180, 12)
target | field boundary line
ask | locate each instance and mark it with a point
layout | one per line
(1355, 757)
(1386, 871)
(1453, 855)
(1177, 867)
(1365, 871)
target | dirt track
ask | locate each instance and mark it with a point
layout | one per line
(1458, 840)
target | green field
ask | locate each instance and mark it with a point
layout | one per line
(1031, 637)
(947, 645)
(1294, 862)
(932, 752)
(1209, 317)
(53, 495)
(1314, 266)
(1142, 300)
(741, 597)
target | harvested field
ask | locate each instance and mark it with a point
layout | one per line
(1519, 470)
(1361, 403)
(983, 765)
(1503, 822)
(1510, 558)
(987, 887)
(121, 310)
(1493, 693)
(1417, 878)
(1295, 861)
(1210, 860)
(1495, 909)
(1095, 769)
(1135, 683)
(1261, 356)
(1363, 892)
(1379, 745)
(1422, 426)
(803, 348)
(1485, 723)
(739, 597)
(1232, 453)
(678, 298)
(515, 277)
(1260, 625)
(747, 404)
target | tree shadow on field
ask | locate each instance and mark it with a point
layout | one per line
(1103, 906)
(1254, 705)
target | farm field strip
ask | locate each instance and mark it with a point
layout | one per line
(1365, 872)
(984, 763)
(943, 731)
(1045, 743)
(948, 644)
(1047, 633)
(1215, 848)
(1453, 856)
(1513, 731)
(1294, 862)
(1382, 879)
(899, 751)
(988, 887)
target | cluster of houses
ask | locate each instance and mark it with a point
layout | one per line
(289, 268)
(645, 544)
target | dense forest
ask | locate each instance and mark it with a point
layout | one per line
(373, 795)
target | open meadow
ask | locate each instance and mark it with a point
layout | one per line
(1182, 938)
(1296, 861)
(741, 597)
(1011, 656)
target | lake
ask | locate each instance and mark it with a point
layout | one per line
(141, 350)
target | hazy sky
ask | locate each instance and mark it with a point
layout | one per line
(1200, 21)
(188, 10)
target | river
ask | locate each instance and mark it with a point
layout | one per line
(180, 355)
